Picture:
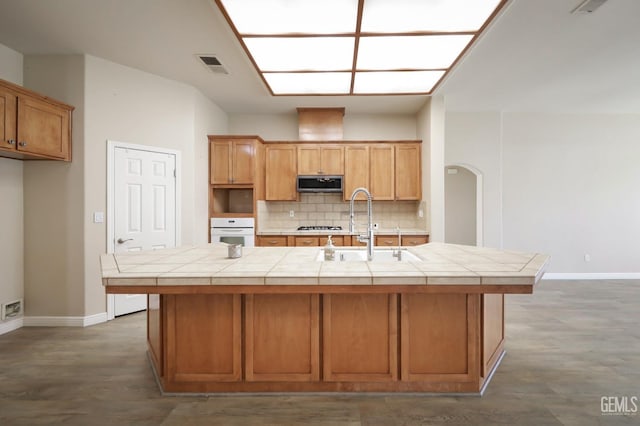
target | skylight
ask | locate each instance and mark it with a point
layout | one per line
(356, 47)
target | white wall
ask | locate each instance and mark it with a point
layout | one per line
(561, 184)
(572, 187)
(475, 139)
(460, 206)
(11, 207)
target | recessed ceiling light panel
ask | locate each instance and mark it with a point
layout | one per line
(405, 16)
(312, 83)
(389, 82)
(293, 16)
(413, 52)
(301, 53)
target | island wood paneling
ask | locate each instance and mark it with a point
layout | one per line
(440, 334)
(203, 337)
(155, 336)
(360, 337)
(282, 337)
(492, 330)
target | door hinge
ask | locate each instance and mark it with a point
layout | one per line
(174, 173)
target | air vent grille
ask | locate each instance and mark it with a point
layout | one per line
(213, 64)
(588, 6)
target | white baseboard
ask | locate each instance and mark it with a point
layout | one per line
(65, 321)
(10, 325)
(592, 276)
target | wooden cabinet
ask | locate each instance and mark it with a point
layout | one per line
(320, 159)
(232, 161)
(360, 337)
(414, 240)
(382, 169)
(33, 126)
(282, 337)
(272, 241)
(306, 241)
(356, 170)
(408, 175)
(387, 240)
(391, 171)
(281, 172)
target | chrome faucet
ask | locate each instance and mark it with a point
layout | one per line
(352, 223)
(398, 253)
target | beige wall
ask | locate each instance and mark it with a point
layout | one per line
(53, 200)
(474, 139)
(11, 207)
(128, 105)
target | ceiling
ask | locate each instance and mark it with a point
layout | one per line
(535, 56)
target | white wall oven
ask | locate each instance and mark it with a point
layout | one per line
(239, 230)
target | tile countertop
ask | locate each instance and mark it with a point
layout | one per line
(440, 264)
(383, 231)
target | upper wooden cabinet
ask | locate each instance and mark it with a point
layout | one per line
(232, 161)
(281, 172)
(320, 159)
(33, 126)
(391, 171)
(408, 184)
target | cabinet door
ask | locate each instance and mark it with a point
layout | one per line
(356, 170)
(242, 162)
(408, 173)
(220, 162)
(382, 172)
(281, 173)
(272, 241)
(332, 160)
(7, 120)
(307, 241)
(43, 129)
(386, 241)
(414, 240)
(309, 160)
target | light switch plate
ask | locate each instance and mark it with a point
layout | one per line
(98, 217)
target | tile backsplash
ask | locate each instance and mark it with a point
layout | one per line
(331, 209)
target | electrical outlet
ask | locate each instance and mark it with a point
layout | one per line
(98, 217)
(587, 257)
(420, 213)
(291, 213)
(375, 226)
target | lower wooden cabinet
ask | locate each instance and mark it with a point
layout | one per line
(338, 240)
(360, 337)
(282, 337)
(272, 241)
(308, 341)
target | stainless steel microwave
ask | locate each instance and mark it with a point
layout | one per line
(320, 183)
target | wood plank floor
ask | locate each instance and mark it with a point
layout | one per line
(568, 345)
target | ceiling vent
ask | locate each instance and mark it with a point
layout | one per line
(213, 64)
(588, 6)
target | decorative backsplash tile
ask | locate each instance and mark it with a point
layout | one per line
(331, 209)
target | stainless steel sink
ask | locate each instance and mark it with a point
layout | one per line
(379, 255)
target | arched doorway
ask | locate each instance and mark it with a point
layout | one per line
(463, 205)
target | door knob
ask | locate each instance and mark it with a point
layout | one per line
(121, 241)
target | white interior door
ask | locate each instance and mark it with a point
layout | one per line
(144, 209)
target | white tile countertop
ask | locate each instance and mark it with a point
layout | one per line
(437, 264)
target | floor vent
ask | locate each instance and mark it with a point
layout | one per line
(213, 64)
(11, 309)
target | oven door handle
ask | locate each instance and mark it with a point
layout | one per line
(228, 231)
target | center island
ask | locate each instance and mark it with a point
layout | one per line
(279, 319)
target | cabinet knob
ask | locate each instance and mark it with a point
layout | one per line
(22, 143)
(11, 142)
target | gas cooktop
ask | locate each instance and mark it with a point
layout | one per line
(319, 228)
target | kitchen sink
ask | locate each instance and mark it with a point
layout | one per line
(360, 255)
